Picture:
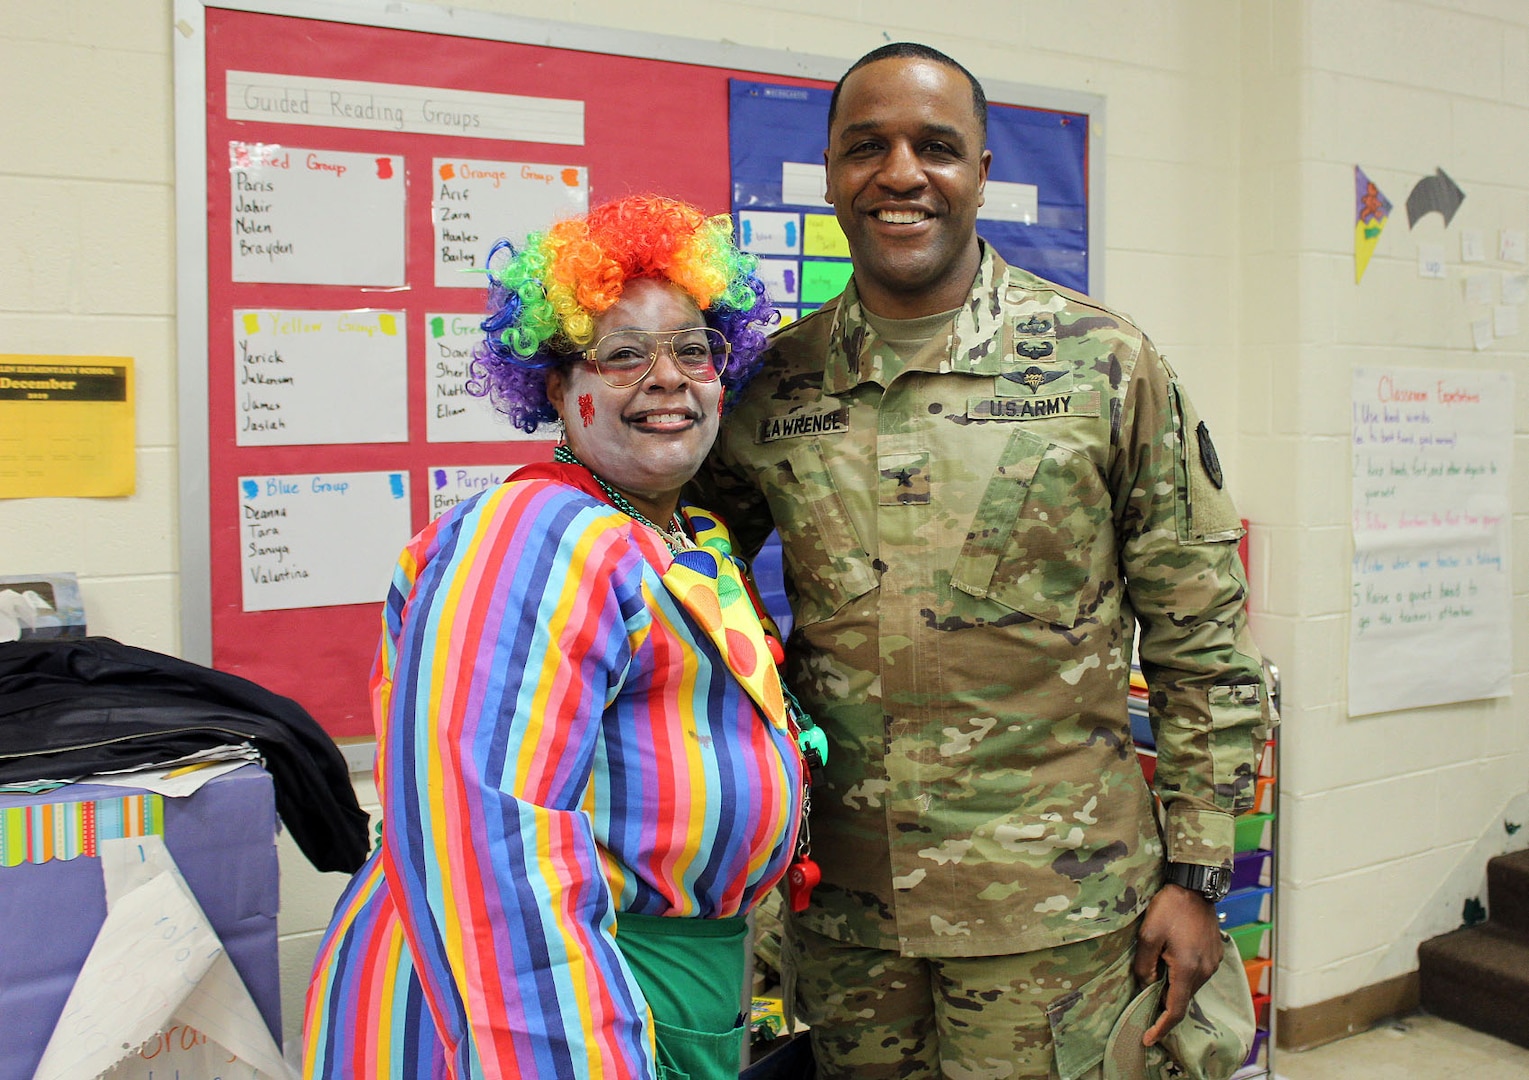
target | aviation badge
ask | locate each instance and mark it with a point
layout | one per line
(1033, 378)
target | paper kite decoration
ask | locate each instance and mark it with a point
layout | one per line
(1371, 209)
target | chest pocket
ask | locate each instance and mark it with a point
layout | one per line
(1040, 542)
(826, 562)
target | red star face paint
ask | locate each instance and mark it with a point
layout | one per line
(587, 409)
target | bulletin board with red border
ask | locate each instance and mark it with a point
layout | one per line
(655, 119)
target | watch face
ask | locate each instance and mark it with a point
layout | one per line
(1218, 881)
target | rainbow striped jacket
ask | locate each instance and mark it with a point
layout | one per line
(572, 723)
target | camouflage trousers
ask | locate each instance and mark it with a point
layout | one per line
(876, 1014)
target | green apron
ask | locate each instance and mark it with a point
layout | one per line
(691, 972)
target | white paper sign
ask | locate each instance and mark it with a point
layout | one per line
(1481, 334)
(451, 484)
(1472, 246)
(317, 540)
(420, 110)
(479, 202)
(316, 217)
(1478, 289)
(159, 980)
(305, 378)
(1515, 288)
(766, 232)
(1504, 321)
(1429, 620)
(803, 184)
(451, 413)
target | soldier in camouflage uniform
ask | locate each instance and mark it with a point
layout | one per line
(982, 483)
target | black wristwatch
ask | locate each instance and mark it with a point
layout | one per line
(1211, 882)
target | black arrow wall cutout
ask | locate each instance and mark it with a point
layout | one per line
(1436, 192)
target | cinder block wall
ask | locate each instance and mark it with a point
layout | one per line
(1230, 137)
(1387, 820)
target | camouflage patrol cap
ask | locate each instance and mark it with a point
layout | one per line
(1210, 1043)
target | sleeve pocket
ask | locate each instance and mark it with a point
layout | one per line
(1204, 513)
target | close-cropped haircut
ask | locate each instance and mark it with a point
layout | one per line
(544, 296)
(912, 50)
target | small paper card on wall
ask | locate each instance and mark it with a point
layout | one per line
(782, 280)
(66, 426)
(315, 217)
(765, 232)
(451, 413)
(822, 281)
(822, 236)
(451, 484)
(1510, 245)
(293, 368)
(1431, 260)
(320, 539)
(476, 203)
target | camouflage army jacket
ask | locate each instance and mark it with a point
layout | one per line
(967, 551)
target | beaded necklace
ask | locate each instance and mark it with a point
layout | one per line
(674, 536)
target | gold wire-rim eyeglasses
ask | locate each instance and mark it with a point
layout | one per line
(624, 358)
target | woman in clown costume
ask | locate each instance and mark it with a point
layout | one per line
(588, 768)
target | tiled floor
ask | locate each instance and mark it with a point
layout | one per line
(1417, 1047)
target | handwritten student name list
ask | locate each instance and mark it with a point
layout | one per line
(451, 413)
(305, 378)
(479, 202)
(317, 540)
(1429, 619)
(315, 217)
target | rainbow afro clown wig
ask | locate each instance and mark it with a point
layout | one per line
(543, 298)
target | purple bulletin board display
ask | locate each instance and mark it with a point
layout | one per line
(655, 118)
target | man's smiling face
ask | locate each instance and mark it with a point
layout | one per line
(906, 171)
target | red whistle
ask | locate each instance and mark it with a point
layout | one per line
(802, 876)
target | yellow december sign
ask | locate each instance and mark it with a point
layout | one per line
(66, 426)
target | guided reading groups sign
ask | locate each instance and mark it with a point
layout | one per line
(418, 110)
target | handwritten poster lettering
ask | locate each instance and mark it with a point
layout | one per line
(294, 369)
(479, 202)
(181, 1050)
(315, 217)
(1429, 620)
(451, 413)
(320, 539)
(451, 484)
(419, 110)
